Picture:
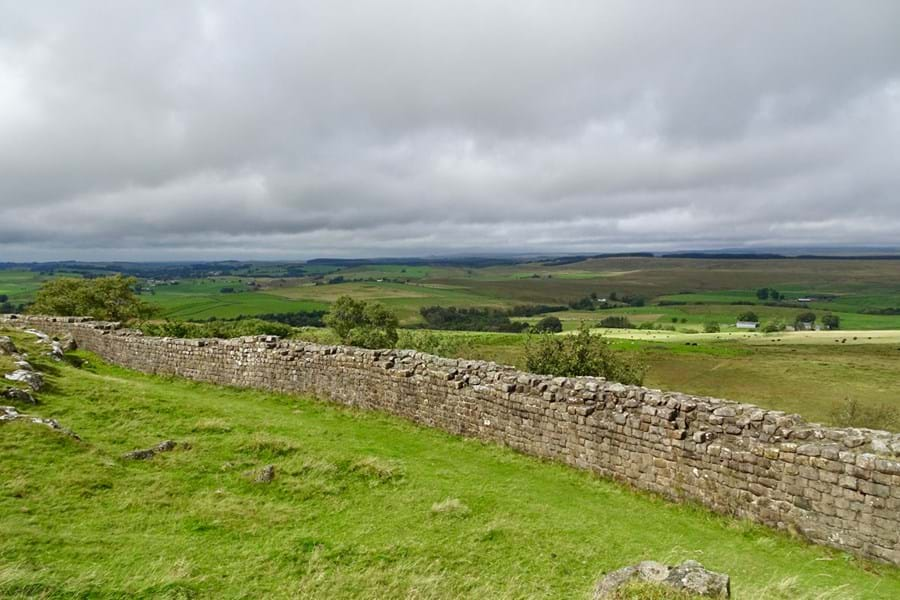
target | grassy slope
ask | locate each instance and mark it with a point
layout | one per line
(349, 513)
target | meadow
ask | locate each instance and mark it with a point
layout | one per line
(362, 505)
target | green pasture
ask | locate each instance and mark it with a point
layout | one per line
(201, 299)
(404, 299)
(19, 285)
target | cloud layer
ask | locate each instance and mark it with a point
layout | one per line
(179, 129)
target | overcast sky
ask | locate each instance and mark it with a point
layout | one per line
(185, 130)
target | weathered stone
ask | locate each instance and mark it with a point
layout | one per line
(266, 474)
(18, 395)
(32, 379)
(148, 453)
(689, 576)
(7, 346)
(9, 413)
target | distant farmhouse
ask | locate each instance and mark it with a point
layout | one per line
(747, 324)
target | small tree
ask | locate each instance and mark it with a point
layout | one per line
(109, 298)
(831, 321)
(748, 316)
(762, 293)
(774, 326)
(548, 324)
(712, 327)
(581, 354)
(805, 319)
(358, 323)
(616, 322)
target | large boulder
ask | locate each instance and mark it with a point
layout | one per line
(689, 576)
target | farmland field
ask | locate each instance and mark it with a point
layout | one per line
(810, 372)
(362, 506)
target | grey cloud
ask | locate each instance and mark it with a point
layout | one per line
(281, 129)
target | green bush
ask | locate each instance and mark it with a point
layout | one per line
(431, 343)
(359, 323)
(470, 319)
(548, 325)
(774, 326)
(712, 327)
(581, 354)
(616, 322)
(831, 321)
(806, 318)
(748, 316)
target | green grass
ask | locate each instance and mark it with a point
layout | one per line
(19, 285)
(405, 300)
(201, 299)
(362, 506)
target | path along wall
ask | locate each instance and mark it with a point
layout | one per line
(839, 487)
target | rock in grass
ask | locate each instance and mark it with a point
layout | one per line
(7, 346)
(30, 378)
(148, 453)
(9, 413)
(56, 351)
(689, 577)
(68, 343)
(266, 474)
(18, 395)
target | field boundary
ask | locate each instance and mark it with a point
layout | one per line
(835, 486)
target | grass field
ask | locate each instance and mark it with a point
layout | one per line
(19, 285)
(707, 286)
(201, 299)
(806, 372)
(358, 508)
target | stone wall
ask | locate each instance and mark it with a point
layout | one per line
(839, 487)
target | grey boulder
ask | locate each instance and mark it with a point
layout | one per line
(30, 378)
(690, 576)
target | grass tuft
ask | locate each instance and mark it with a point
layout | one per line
(451, 507)
(377, 470)
(212, 425)
(266, 445)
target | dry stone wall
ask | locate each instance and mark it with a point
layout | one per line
(838, 487)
